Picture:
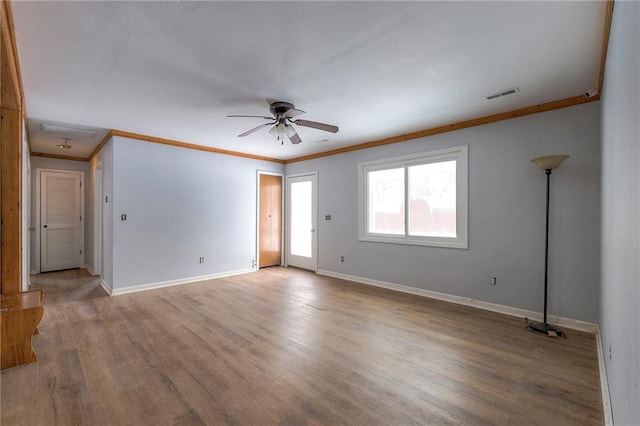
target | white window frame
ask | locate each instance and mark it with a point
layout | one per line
(458, 154)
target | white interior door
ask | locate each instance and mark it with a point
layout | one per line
(301, 221)
(61, 221)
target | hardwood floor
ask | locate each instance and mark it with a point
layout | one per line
(283, 346)
(68, 285)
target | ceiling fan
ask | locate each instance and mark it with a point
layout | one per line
(282, 120)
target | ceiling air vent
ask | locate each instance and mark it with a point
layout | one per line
(503, 93)
(74, 132)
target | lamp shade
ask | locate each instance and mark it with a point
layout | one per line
(549, 162)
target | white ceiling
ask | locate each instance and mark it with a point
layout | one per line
(376, 69)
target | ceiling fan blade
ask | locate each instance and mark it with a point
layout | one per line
(252, 116)
(320, 126)
(293, 113)
(294, 137)
(255, 129)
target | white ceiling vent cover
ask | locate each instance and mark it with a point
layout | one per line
(502, 93)
(79, 133)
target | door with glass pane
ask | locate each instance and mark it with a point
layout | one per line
(301, 221)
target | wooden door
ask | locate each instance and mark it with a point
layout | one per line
(270, 221)
(61, 222)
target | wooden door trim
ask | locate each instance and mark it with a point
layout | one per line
(11, 158)
(256, 263)
(38, 224)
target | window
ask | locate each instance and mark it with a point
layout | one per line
(418, 199)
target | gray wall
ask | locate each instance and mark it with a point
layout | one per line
(54, 163)
(181, 204)
(620, 293)
(506, 216)
(103, 159)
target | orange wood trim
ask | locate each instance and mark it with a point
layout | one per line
(10, 91)
(20, 317)
(11, 210)
(605, 44)
(58, 156)
(191, 146)
(102, 143)
(576, 100)
(10, 54)
(9, 95)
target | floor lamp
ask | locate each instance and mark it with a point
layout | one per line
(547, 164)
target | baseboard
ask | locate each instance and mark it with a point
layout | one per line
(151, 286)
(493, 307)
(106, 287)
(604, 382)
(90, 269)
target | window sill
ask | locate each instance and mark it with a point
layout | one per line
(431, 242)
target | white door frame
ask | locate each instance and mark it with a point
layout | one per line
(38, 224)
(282, 233)
(315, 217)
(97, 220)
(26, 225)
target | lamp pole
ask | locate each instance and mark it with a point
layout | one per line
(547, 164)
(546, 247)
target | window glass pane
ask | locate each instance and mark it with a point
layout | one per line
(432, 199)
(301, 218)
(386, 201)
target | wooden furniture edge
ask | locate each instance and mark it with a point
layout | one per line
(20, 314)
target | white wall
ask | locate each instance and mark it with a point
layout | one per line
(620, 293)
(104, 158)
(506, 216)
(181, 204)
(54, 163)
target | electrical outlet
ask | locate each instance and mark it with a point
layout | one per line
(609, 351)
(202, 260)
(342, 259)
(492, 280)
(254, 263)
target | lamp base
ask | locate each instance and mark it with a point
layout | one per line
(548, 329)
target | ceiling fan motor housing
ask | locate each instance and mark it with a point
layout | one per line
(280, 108)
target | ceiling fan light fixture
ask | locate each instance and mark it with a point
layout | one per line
(283, 112)
(281, 130)
(64, 145)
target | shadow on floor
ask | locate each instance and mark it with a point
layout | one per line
(68, 286)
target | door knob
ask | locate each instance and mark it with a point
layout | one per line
(46, 226)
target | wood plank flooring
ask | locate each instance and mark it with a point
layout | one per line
(68, 285)
(288, 347)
